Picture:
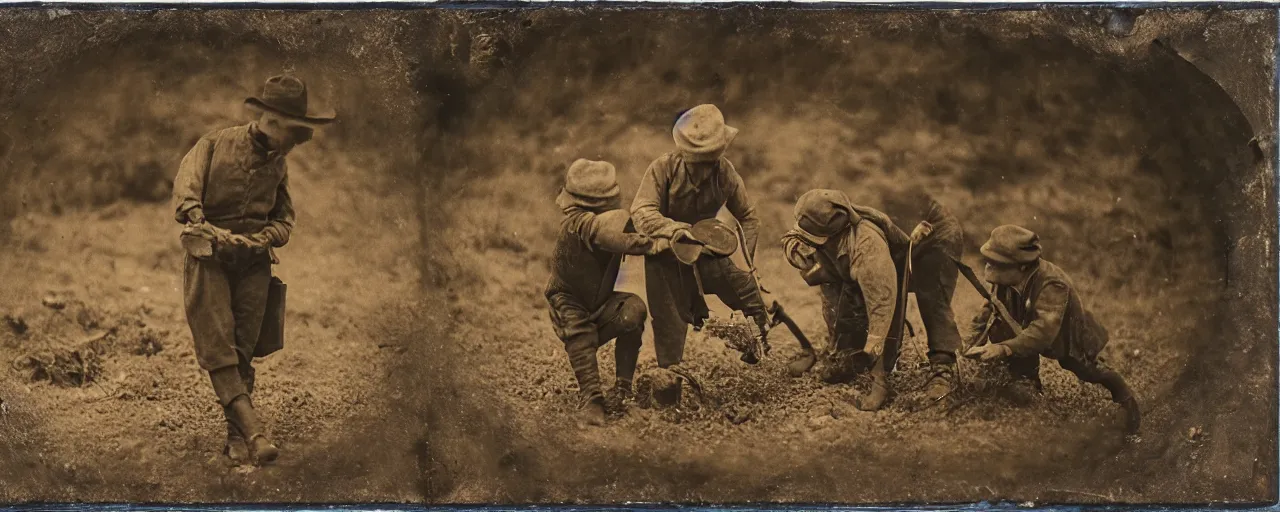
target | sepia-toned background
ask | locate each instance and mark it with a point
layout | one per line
(420, 364)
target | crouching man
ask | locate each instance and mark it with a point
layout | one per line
(585, 311)
(1052, 319)
(232, 192)
(846, 249)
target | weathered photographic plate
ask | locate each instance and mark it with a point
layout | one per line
(426, 359)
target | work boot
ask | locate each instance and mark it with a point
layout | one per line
(876, 397)
(1133, 417)
(941, 383)
(591, 413)
(235, 448)
(261, 450)
(1023, 391)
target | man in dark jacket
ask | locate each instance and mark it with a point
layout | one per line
(232, 193)
(678, 190)
(1053, 319)
(585, 311)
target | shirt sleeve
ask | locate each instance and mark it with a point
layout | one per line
(1038, 336)
(872, 267)
(280, 220)
(188, 185)
(980, 320)
(646, 209)
(740, 205)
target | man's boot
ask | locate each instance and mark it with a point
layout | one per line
(591, 412)
(261, 449)
(626, 354)
(876, 397)
(1133, 417)
(942, 381)
(760, 343)
(839, 367)
(235, 448)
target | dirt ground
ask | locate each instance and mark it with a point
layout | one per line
(106, 285)
(421, 365)
(1032, 133)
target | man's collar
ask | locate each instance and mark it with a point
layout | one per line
(1022, 287)
(696, 178)
(260, 140)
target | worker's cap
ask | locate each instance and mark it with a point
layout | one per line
(1012, 245)
(819, 216)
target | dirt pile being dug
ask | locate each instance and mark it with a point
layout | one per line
(1126, 179)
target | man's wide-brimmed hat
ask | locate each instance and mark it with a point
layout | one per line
(701, 135)
(1012, 244)
(713, 237)
(286, 96)
(817, 214)
(589, 184)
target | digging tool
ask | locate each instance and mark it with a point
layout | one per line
(986, 294)
(797, 367)
(807, 359)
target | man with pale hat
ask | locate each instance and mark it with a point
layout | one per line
(232, 194)
(585, 310)
(679, 190)
(851, 251)
(1053, 321)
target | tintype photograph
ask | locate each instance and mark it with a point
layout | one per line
(567, 254)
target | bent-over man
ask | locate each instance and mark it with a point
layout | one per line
(1053, 319)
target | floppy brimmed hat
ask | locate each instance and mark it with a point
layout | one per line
(701, 135)
(713, 237)
(1012, 244)
(817, 212)
(286, 96)
(589, 184)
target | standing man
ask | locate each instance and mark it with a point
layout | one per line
(933, 279)
(585, 311)
(850, 251)
(679, 189)
(1053, 320)
(232, 192)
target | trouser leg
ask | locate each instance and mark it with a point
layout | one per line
(1025, 367)
(849, 321)
(933, 280)
(623, 320)
(669, 287)
(207, 300)
(732, 285)
(249, 289)
(1096, 373)
(574, 327)
(581, 349)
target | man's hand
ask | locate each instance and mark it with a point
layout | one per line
(258, 242)
(989, 352)
(874, 346)
(683, 233)
(659, 245)
(195, 215)
(922, 230)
